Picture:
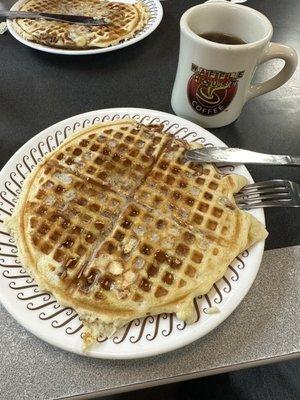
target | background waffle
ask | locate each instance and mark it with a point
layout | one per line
(126, 20)
(145, 237)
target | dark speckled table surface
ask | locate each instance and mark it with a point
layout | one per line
(39, 89)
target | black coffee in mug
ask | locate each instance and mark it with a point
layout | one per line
(214, 80)
(219, 37)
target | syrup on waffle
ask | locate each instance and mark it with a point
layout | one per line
(118, 154)
(197, 195)
(125, 21)
(149, 260)
(116, 224)
(66, 218)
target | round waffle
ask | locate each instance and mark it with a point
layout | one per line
(116, 224)
(125, 21)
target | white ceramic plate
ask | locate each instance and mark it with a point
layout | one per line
(43, 316)
(156, 14)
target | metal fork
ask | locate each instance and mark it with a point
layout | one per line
(273, 193)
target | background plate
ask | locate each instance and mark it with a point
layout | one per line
(156, 14)
(40, 313)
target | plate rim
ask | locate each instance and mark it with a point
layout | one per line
(66, 52)
(173, 345)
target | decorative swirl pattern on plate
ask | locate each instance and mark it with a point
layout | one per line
(105, 118)
(33, 307)
(45, 317)
(8, 255)
(96, 119)
(12, 177)
(76, 125)
(218, 299)
(150, 328)
(235, 275)
(100, 340)
(40, 145)
(2, 194)
(118, 340)
(57, 324)
(85, 123)
(12, 266)
(155, 121)
(4, 211)
(18, 166)
(7, 187)
(7, 275)
(57, 135)
(166, 332)
(50, 147)
(227, 288)
(45, 296)
(13, 285)
(148, 335)
(181, 325)
(67, 131)
(138, 322)
(197, 309)
(208, 303)
(70, 331)
(6, 234)
(143, 120)
(173, 126)
(25, 159)
(32, 151)
(201, 140)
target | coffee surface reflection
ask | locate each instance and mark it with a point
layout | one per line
(222, 38)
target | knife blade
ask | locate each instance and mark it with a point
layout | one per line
(73, 19)
(239, 156)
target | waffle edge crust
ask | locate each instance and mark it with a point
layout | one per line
(126, 21)
(117, 225)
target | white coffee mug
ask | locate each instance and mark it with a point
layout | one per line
(213, 80)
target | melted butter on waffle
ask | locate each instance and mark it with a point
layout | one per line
(125, 21)
(116, 224)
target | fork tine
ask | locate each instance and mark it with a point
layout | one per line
(264, 204)
(258, 196)
(275, 183)
(273, 193)
(258, 200)
(262, 191)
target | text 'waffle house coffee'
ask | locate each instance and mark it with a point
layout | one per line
(222, 38)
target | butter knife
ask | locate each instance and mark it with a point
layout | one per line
(73, 19)
(239, 156)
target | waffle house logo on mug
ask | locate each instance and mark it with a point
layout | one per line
(210, 92)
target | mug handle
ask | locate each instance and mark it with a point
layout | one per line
(275, 50)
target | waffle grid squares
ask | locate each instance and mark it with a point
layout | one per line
(174, 192)
(156, 271)
(127, 160)
(72, 217)
(111, 240)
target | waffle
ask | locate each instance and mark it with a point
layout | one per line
(198, 196)
(118, 154)
(145, 237)
(65, 218)
(125, 21)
